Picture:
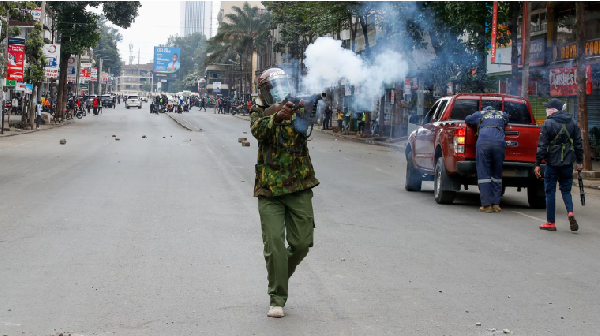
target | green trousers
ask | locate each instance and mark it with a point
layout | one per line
(292, 213)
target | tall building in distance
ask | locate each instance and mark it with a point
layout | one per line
(199, 16)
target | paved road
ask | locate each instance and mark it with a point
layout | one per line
(161, 236)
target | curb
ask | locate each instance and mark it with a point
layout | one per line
(365, 140)
(241, 117)
(177, 121)
(33, 131)
(589, 186)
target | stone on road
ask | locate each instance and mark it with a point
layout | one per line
(161, 236)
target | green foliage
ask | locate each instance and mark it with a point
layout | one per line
(147, 86)
(107, 47)
(193, 58)
(34, 73)
(245, 33)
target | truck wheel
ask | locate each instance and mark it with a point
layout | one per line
(413, 176)
(441, 196)
(536, 195)
(127, 107)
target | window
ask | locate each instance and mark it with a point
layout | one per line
(462, 108)
(429, 116)
(440, 110)
(517, 112)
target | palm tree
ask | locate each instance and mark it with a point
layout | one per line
(246, 31)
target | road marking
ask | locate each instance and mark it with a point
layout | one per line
(522, 214)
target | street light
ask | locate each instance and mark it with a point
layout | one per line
(98, 75)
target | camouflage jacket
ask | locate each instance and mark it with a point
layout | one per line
(279, 172)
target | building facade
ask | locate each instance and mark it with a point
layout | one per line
(135, 79)
(199, 16)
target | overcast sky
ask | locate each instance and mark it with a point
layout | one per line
(156, 21)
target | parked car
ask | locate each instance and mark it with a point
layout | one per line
(133, 101)
(106, 100)
(443, 149)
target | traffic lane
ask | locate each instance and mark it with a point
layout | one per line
(364, 293)
(365, 217)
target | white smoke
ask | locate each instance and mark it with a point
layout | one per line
(327, 63)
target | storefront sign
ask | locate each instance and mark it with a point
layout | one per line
(563, 81)
(94, 74)
(392, 97)
(20, 86)
(71, 69)
(52, 54)
(216, 87)
(28, 88)
(537, 52)
(16, 59)
(86, 65)
(569, 51)
(11, 82)
(347, 90)
(494, 29)
(104, 77)
(37, 14)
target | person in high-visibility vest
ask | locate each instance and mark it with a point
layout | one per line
(489, 157)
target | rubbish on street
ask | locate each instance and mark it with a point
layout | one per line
(245, 144)
(143, 137)
(478, 324)
(63, 141)
(117, 139)
(114, 136)
(242, 139)
(506, 331)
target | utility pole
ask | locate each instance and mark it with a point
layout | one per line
(77, 75)
(4, 81)
(582, 110)
(99, 78)
(525, 38)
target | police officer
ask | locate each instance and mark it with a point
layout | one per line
(491, 149)
(283, 184)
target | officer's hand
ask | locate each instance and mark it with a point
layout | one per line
(537, 172)
(579, 167)
(285, 113)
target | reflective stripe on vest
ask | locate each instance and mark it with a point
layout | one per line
(479, 127)
(562, 145)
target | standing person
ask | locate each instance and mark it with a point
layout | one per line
(203, 104)
(248, 106)
(95, 105)
(327, 117)
(560, 145)
(114, 100)
(88, 104)
(38, 114)
(340, 119)
(119, 99)
(284, 193)
(14, 105)
(490, 152)
(361, 122)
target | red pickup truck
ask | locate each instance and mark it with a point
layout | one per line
(443, 148)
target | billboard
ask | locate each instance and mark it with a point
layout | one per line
(216, 87)
(104, 77)
(52, 54)
(166, 62)
(16, 59)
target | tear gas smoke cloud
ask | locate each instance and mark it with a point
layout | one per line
(327, 63)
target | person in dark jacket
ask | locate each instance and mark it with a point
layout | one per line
(560, 145)
(491, 149)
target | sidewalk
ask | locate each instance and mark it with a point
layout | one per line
(400, 145)
(15, 119)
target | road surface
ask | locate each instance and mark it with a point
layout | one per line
(161, 236)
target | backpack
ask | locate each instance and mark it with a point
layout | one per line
(562, 146)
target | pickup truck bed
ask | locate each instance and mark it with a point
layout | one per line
(443, 148)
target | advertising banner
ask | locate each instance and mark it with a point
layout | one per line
(347, 90)
(159, 87)
(94, 74)
(104, 77)
(71, 69)
(494, 29)
(537, 52)
(28, 88)
(84, 75)
(216, 87)
(86, 65)
(20, 86)
(563, 81)
(16, 59)
(52, 54)
(37, 14)
(166, 62)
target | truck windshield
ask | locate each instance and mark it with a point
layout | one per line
(517, 112)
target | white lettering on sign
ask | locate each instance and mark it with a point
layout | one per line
(565, 78)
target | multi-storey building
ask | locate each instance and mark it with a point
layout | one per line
(199, 16)
(135, 79)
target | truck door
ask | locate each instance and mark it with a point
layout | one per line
(424, 140)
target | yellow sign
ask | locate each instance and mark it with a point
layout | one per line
(569, 51)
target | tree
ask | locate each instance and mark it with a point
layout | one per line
(16, 10)
(34, 74)
(582, 110)
(245, 32)
(147, 86)
(193, 57)
(107, 47)
(79, 30)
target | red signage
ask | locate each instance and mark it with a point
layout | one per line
(494, 25)
(16, 59)
(563, 81)
(84, 72)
